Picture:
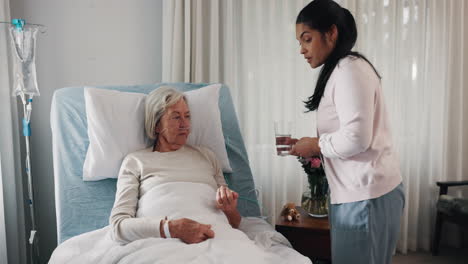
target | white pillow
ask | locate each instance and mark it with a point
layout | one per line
(116, 128)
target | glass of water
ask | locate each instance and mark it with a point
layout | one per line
(283, 131)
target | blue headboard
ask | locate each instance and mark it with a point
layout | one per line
(85, 206)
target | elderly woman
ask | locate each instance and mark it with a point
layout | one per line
(170, 159)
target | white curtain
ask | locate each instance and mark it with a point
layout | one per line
(225, 41)
(191, 40)
(416, 45)
(12, 235)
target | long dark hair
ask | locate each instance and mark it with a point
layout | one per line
(321, 15)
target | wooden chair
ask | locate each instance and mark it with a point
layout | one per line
(450, 209)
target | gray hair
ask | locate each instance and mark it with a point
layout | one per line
(156, 105)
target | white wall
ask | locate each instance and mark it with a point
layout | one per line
(88, 42)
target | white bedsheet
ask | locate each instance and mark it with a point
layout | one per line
(256, 243)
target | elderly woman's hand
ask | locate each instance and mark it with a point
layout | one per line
(226, 199)
(190, 231)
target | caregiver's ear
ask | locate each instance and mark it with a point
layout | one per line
(332, 34)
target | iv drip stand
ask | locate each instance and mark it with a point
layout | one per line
(27, 109)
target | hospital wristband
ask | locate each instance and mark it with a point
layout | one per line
(166, 228)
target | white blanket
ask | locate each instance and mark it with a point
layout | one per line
(259, 244)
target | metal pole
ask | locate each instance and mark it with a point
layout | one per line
(33, 238)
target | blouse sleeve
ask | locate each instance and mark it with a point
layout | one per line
(125, 226)
(354, 98)
(218, 176)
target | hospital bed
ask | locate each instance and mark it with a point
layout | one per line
(83, 206)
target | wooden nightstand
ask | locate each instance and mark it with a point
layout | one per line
(310, 236)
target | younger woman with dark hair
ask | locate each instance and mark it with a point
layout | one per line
(354, 140)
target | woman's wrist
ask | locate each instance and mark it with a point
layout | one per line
(319, 149)
(167, 232)
(171, 226)
(233, 217)
(165, 228)
(229, 211)
(161, 228)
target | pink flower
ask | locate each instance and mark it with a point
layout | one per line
(315, 162)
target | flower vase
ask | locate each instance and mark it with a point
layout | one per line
(315, 200)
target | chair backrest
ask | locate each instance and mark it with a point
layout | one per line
(85, 206)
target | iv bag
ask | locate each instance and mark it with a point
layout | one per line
(23, 47)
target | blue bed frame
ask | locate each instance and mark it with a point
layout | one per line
(85, 206)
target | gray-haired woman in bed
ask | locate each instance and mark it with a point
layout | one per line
(167, 122)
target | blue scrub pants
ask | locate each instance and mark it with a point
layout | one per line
(366, 231)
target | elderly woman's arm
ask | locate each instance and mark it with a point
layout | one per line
(125, 227)
(226, 199)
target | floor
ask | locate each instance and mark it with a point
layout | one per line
(446, 256)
